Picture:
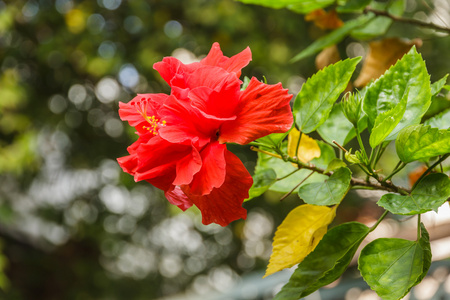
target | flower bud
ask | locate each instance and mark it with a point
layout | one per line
(351, 106)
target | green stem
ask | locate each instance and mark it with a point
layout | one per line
(380, 152)
(407, 21)
(298, 143)
(361, 145)
(397, 169)
(379, 221)
(418, 227)
(444, 157)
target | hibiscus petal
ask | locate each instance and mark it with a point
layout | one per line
(263, 109)
(171, 67)
(185, 124)
(177, 197)
(159, 158)
(233, 64)
(209, 76)
(220, 102)
(212, 173)
(148, 104)
(187, 167)
(128, 163)
(224, 205)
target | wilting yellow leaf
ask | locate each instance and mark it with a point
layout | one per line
(324, 20)
(327, 56)
(308, 149)
(298, 235)
(383, 54)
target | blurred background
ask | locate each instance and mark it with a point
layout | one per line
(72, 224)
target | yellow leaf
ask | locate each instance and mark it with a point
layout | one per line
(298, 235)
(308, 149)
(383, 54)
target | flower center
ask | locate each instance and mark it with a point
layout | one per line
(141, 107)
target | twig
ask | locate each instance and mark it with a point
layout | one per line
(405, 20)
(295, 187)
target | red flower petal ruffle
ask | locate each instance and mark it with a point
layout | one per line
(263, 109)
(224, 205)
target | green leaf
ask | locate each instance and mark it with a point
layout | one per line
(353, 6)
(408, 76)
(245, 83)
(440, 121)
(438, 104)
(379, 25)
(386, 122)
(429, 194)
(327, 262)
(425, 244)
(335, 164)
(282, 169)
(314, 102)
(437, 86)
(393, 266)
(332, 38)
(262, 180)
(307, 6)
(301, 6)
(273, 139)
(327, 154)
(421, 141)
(336, 127)
(271, 3)
(330, 191)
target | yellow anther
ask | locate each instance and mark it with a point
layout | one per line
(152, 120)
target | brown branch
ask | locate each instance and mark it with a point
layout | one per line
(405, 20)
(381, 185)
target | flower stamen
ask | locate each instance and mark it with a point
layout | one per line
(141, 107)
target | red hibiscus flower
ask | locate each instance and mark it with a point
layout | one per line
(181, 146)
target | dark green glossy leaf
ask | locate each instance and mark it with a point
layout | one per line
(437, 86)
(429, 194)
(421, 141)
(332, 38)
(440, 121)
(386, 122)
(262, 180)
(392, 266)
(283, 169)
(314, 102)
(330, 191)
(327, 262)
(379, 25)
(408, 76)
